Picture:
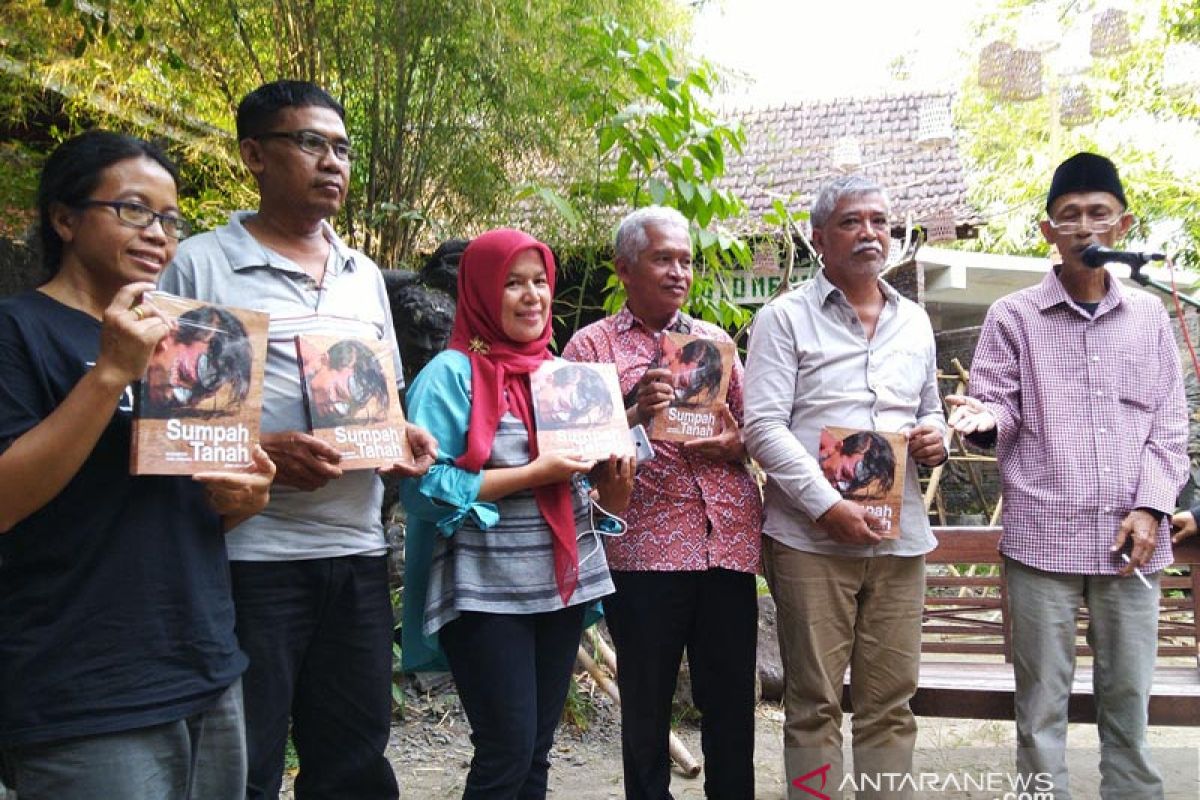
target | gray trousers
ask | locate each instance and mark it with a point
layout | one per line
(201, 757)
(1123, 635)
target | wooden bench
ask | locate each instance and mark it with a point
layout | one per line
(966, 668)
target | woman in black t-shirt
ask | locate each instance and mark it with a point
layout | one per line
(119, 669)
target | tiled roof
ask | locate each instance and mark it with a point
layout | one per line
(789, 154)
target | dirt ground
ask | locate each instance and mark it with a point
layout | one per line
(430, 749)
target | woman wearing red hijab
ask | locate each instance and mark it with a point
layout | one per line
(500, 555)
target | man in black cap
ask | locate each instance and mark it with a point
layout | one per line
(1077, 383)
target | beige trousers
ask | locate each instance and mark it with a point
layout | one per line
(835, 612)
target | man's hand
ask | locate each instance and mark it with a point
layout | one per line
(1140, 526)
(302, 461)
(236, 496)
(725, 446)
(1183, 526)
(424, 449)
(654, 393)
(969, 415)
(850, 523)
(926, 445)
(613, 482)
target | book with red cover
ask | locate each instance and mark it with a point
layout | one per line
(351, 399)
(700, 371)
(868, 468)
(578, 410)
(199, 404)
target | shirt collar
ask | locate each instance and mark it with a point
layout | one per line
(245, 252)
(625, 320)
(1051, 293)
(825, 289)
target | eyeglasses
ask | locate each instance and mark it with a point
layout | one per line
(1072, 227)
(140, 216)
(313, 143)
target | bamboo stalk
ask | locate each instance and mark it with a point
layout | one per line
(682, 757)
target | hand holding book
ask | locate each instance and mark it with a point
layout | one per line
(302, 461)
(654, 394)
(726, 445)
(848, 522)
(239, 495)
(926, 445)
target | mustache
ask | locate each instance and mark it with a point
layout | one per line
(865, 246)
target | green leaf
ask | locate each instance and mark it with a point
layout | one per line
(658, 191)
(685, 189)
(560, 205)
(608, 137)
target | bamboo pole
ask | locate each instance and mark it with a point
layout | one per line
(682, 757)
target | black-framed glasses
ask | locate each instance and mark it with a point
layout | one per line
(138, 215)
(1071, 227)
(313, 143)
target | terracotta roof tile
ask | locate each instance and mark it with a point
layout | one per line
(788, 155)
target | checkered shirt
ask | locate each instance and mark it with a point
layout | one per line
(1091, 422)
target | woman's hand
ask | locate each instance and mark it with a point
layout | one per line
(613, 481)
(550, 468)
(129, 333)
(237, 496)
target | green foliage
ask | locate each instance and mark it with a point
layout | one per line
(651, 139)
(579, 711)
(18, 188)
(1012, 147)
(447, 100)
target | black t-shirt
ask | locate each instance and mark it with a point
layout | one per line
(115, 607)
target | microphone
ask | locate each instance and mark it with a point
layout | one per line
(1096, 256)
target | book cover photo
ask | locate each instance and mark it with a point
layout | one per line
(198, 406)
(700, 370)
(351, 399)
(868, 468)
(578, 410)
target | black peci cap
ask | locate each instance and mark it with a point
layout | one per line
(1085, 172)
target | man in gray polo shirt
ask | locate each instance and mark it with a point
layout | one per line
(309, 573)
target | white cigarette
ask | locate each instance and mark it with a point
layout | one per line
(1136, 571)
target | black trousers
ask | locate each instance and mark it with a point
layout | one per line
(653, 618)
(319, 636)
(512, 673)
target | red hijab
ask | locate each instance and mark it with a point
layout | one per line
(500, 370)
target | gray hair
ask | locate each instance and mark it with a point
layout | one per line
(833, 192)
(631, 233)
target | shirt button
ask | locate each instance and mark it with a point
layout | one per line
(1102, 430)
(1099, 393)
(1108, 509)
(1095, 358)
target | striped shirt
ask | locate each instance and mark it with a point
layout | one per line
(1091, 422)
(508, 568)
(465, 554)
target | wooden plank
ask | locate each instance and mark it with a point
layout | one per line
(985, 691)
(965, 546)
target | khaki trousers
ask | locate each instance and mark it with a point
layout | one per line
(835, 612)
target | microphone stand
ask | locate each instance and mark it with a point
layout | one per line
(1136, 275)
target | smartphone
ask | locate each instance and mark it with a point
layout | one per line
(642, 449)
